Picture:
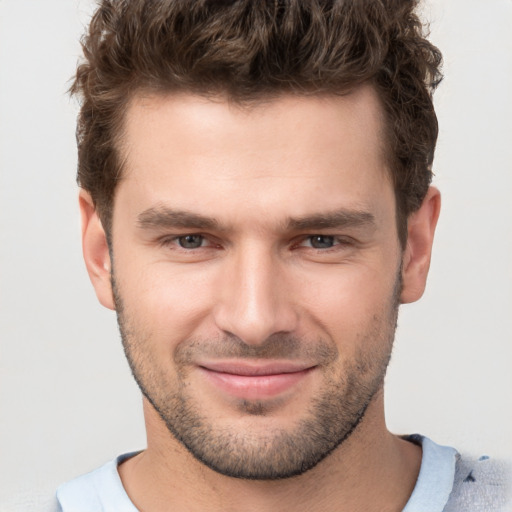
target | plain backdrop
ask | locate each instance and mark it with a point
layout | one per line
(67, 400)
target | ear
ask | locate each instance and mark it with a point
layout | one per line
(421, 226)
(95, 250)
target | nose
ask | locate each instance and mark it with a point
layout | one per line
(255, 300)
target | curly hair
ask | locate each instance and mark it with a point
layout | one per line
(250, 50)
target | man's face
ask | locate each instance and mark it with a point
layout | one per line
(256, 273)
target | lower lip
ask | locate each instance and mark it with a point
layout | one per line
(255, 387)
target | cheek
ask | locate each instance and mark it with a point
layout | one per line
(350, 303)
(165, 300)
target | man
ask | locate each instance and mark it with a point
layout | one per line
(255, 206)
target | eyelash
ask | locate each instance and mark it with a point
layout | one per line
(174, 240)
(338, 242)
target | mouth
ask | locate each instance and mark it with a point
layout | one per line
(255, 380)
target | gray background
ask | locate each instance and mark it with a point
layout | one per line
(67, 401)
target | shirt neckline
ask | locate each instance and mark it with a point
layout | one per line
(435, 480)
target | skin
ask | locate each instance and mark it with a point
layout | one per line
(270, 175)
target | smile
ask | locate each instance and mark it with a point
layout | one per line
(255, 381)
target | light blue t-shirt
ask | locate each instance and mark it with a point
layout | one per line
(446, 483)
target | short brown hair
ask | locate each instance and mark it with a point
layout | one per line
(248, 49)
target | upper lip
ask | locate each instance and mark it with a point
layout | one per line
(256, 368)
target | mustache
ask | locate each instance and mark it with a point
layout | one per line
(277, 346)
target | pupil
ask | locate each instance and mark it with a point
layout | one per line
(190, 241)
(322, 242)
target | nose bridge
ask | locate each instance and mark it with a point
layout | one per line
(254, 302)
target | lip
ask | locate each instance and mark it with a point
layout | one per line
(255, 380)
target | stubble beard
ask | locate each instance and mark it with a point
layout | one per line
(275, 453)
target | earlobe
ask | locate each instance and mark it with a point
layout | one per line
(421, 226)
(95, 250)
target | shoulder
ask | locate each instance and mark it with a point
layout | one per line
(100, 490)
(83, 492)
(450, 482)
(481, 484)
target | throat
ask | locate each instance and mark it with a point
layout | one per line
(372, 471)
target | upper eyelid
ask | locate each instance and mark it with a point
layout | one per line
(214, 240)
(168, 239)
(340, 238)
(336, 240)
(303, 236)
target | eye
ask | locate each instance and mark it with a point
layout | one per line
(190, 241)
(321, 241)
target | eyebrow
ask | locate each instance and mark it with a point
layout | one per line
(330, 220)
(162, 217)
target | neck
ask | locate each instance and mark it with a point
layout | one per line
(372, 470)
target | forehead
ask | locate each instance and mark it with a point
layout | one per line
(352, 118)
(282, 156)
